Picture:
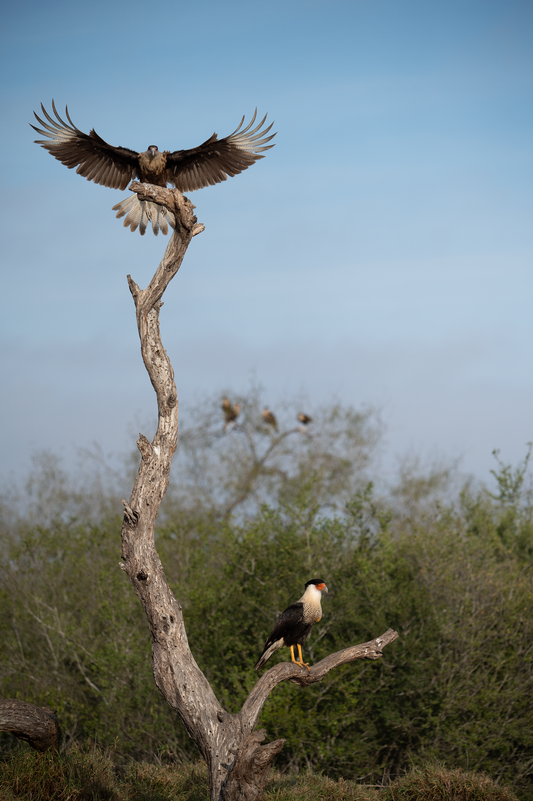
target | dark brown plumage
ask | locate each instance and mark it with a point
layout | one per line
(304, 418)
(295, 623)
(187, 170)
(269, 418)
(230, 412)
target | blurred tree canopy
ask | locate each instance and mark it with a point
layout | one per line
(251, 514)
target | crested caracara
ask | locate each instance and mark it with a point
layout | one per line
(187, 170)
(269, 418)
(304, 420)
(230, 412)
(295, 623)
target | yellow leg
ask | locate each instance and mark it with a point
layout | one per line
(301, 661)
(292, 653)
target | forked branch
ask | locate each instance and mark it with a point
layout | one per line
(237, 762)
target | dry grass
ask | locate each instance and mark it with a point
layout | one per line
(312, 787)
(437, 783)
(89, 775)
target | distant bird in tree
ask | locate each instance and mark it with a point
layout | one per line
(230, 412)
(304, 420)
(187, 170)
(269, 418)
(295, 623)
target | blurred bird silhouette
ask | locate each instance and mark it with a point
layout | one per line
(230, 412)
(304, 420)
(269, 418)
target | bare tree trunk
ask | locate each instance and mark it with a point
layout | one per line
(237, 763)
(37, 725)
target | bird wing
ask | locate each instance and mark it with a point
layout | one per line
(95, 159)
(286, 621)
(216, 159)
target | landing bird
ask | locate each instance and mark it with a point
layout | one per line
(230, 412)
(295, 623)
(187, 170)
(269, 418)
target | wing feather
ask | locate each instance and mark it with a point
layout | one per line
(288, 619)
(217, 159)
(93, 158)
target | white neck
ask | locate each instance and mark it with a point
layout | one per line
(311, 596)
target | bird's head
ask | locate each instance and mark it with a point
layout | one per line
(319, 584)
(152, 150)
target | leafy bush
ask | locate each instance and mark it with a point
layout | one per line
(451, 575)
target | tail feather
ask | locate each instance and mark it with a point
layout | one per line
(267, 653)
(140, 213)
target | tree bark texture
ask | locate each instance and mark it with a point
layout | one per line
(237, 763)
(37, 725)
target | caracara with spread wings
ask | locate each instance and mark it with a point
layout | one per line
(187, 170)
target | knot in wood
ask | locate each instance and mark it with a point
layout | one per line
(142, 575)
(145, 448)
(172, 400)
(130, 515)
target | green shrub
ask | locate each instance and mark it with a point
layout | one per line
(454, 579)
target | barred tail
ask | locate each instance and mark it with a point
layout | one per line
(139, 213)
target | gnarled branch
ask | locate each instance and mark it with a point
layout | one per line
(236, 761)
(289, 671)
(37, 725)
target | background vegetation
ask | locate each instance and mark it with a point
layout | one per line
(252, 514)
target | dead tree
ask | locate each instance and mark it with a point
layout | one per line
(237, 762)
(37, 725)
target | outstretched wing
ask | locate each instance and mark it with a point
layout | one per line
(217, 159)
(94, 159)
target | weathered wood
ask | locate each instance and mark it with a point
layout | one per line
(289, 671)
(237, 763)
(248, 778)
(37, 725)
(176, 673)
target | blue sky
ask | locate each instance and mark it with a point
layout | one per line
(380, 254)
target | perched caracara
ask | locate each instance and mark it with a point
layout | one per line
(187, 170)
(304, 418)
(295, 623)
(230, 412)
(269, 418)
